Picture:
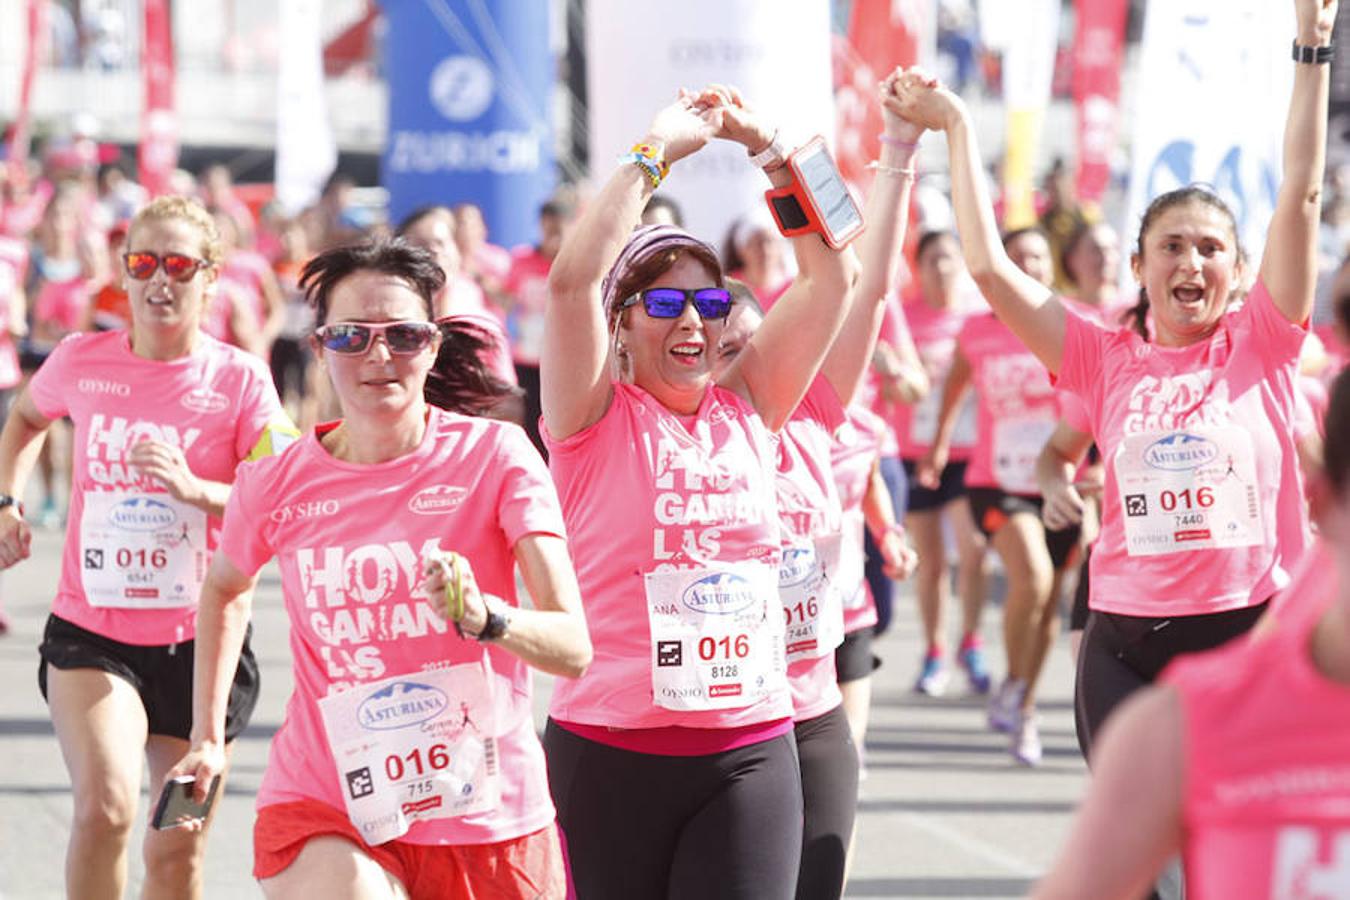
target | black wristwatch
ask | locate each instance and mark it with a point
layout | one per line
(6, 501)
(494, 627)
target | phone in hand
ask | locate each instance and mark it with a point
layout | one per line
(176, 807)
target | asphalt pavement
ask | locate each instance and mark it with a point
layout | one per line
(944, 810)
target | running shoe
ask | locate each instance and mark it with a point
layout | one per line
(1005, 707)
(933, 678)
(971, 658)
(1026, 742)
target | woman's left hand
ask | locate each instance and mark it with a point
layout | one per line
(897, 128)
(739, 122)
(898, 559)
(167, 464)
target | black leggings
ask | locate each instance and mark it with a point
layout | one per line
(829, 761)
(727, 825)
(1121, 654)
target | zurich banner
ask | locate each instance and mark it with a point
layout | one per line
(470, 86)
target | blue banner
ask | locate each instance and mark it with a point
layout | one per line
(470, 87)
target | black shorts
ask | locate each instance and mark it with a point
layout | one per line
(951, 486)
(161, 674)
(1078, 613)
(991, 508)
(854, 659)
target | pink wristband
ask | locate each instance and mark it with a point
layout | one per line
(896, 142)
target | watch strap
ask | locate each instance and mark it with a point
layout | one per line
(1313, 56)
(6, 501)
(771, 157)
(494, 627)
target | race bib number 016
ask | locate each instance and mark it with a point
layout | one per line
(813, 607)
(717, 640)
(141, 551)
(414, 747)
(1189, 490)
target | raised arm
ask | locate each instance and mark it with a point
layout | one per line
(783, 356)
(1020, 301)
(886, 215)
(574, 376)
(1289, 263)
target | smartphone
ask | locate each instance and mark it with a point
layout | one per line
(176, 806)
(824, 189)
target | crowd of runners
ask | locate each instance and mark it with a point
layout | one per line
(684, 482)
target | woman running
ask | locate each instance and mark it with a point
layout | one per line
(1017, 411)
(407, 765)
(1203, 504)
(162, 417)
(1245, 746)
(672, 760)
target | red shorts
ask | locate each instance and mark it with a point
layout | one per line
(525, 867)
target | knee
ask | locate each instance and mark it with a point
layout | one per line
(103, 816)
(173, 857)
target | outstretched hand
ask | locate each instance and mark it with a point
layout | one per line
(685, 126)
(919, 99)
(897, 127)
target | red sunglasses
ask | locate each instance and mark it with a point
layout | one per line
(177, 266)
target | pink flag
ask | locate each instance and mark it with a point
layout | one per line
(1097, 61)
(158, 152)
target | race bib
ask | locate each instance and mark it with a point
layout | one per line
(141, 551)
(1017, 444)
(1189, 490)
(717, 642)
(414, 747)
(923, 422)
(812, 606)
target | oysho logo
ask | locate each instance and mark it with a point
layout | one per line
(461, 88)
(99, 386)
(721, 594)
(438, 500)
(315, 509)
(205, 400)
(401, 704)
(1181, 451)
(142, 514)
(798, 564)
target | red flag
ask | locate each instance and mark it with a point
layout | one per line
(158, 153)
(17, 151)
(1097, 61)
(881, 36)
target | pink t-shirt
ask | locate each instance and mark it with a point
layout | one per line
(934, 332)
(809, 510)
(1016, 404)
(127, 537)
(527, 283)
(62, 303)
(647, 492)
(246, 269)
(350, 541)
(1266, 798)
(1203, 508)
(856, 448)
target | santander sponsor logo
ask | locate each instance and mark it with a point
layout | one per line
(438, 500)
(205, 400)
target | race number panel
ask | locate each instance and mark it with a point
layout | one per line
(414, 747)
(813, 608)
(1188, 490)
(1017, 444)
(141, 551)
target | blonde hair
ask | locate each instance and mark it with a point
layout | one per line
(177, 207)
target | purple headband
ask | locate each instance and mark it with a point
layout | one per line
(645, 243)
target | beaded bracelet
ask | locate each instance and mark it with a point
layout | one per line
(648, 158)
(892, 170)
(896, 142)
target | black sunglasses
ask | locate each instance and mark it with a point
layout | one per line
(669, 303)
(402, 338)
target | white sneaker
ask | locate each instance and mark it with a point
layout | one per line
(1006, 705)
(1026, 742)
(933, 677)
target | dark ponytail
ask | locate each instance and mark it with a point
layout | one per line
(460, 381)
(1136, 316)
(1336, 448)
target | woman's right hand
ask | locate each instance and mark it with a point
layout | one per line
(205, 762)
(16, 538)
(918, 98)
(684, 127)
(897, 127)
(1062, 506)
(928, 470)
